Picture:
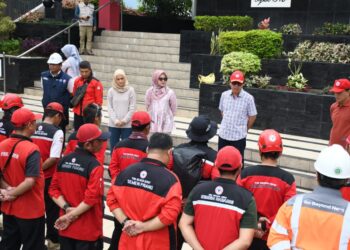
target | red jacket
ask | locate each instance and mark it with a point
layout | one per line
(143, 191)
(127, 152)
(271, 187)
(79, 178)
(93, 94)
(345, 191)
(72, 145)
(30, 205)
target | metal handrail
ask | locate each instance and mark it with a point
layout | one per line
(60, 32)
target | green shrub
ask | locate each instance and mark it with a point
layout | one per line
(165, 8)
(261, 82)
(333, 29)
(6, 24)
(246, 62)
(263, 43)
(321, 52)
(224, 23)
(10, 47)
(291, 29)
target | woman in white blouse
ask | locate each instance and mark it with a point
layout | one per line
(121, 105)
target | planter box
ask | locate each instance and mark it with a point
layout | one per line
(320, 75)
(21, 72)
(193, 42)
(295, 113)
(43, 31)
(290, 42)
(156, 24)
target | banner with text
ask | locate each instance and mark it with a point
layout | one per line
(270, 3)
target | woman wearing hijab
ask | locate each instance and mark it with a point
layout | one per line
(71, 65)
(121, 105)
(161, 103)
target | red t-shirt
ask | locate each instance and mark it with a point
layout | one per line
(340, 116)
(25, 162)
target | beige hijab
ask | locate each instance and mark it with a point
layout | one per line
(114, 82)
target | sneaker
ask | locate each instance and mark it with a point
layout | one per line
(90, 53)
(52, 246)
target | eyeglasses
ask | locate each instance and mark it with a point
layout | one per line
(239, 84)
(163, 79)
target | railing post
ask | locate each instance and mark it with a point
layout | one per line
(3, 69)
(68, 36)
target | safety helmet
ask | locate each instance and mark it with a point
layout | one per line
(55, 58)
(270, 141)
(333, 162)
(11, 100)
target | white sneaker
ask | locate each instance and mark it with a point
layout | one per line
(52, 246)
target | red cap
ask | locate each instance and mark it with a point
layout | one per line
(270, 141)
(89, 132)
(228, 158)
(11, 100)
(140, 118)
(56, 107)
(23, 116)
(340, 85)
(237, 76)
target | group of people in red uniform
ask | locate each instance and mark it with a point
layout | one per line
(230, 208)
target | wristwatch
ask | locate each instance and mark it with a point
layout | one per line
(66, 206)
(124, 221)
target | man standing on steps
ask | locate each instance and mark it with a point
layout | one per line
(93, 92)
(270, 185)
(238, 114)
(49, 138)
(87, 24)
(340, 112)
(57, 87)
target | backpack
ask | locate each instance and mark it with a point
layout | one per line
(188, 162)
(79, 95)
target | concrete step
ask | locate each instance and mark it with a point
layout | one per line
(143, 35)
(117, 47)
(109, 54)
(120, 62)
(138, 41)
(107, 70)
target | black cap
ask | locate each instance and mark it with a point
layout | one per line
(201, 129)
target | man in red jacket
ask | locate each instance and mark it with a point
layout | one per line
(126, 153)
(49, 138)
(22, 186)
(270, 185)
(77, 188)
(93, 93)
(146, 199)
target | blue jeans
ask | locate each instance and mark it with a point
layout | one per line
(118, 134)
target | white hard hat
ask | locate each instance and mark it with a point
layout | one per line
(333, 162)
(55, 58)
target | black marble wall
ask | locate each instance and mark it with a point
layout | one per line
(296, 113)
(308, 13)
(193, 42)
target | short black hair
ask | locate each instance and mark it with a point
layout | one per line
(160, 141)
(90, 112)
(139, 128)
(230, 172)
(329, 182)
(8, 113)
(84, 65)
(274, 155)
(50, 113)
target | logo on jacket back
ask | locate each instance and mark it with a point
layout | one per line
(219, 190)
(143, 174)
(74, 160)
(40, 128)
(1, 124)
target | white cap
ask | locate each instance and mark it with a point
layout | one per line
(333, 162)
(55, 58)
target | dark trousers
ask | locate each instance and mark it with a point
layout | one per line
(29, 232)
(52, 213)
(240, 145)
(258, 244)
(64, 122)
(78, 121)
(72, 244)
(117, 232)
